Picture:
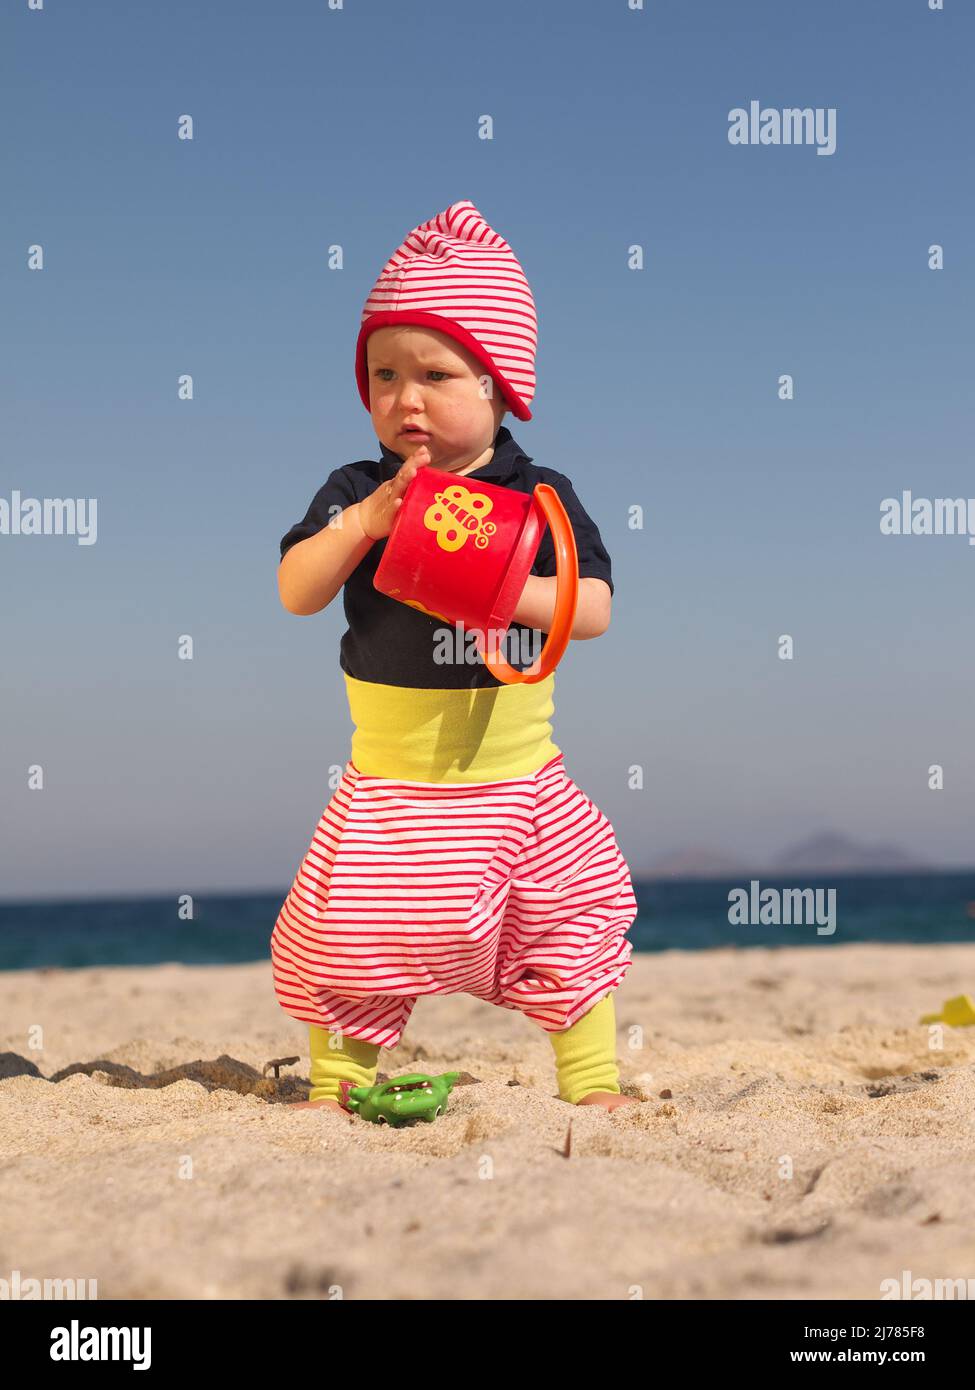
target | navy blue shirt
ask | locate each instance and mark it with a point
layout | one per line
(393, 644)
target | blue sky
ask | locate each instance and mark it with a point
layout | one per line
(656, 388)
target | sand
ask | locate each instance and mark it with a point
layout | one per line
(798, 1137)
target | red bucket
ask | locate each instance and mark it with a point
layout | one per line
(461, 550)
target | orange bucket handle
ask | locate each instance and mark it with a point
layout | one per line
(566, 597)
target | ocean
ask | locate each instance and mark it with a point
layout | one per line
(690, 915)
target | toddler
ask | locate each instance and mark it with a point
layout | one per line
(456, 854)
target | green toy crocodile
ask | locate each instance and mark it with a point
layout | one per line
(401, 1100)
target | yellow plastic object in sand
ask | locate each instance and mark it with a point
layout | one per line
(957, 1013)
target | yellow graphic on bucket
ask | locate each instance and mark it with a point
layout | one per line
(415, 603)
(457, 514)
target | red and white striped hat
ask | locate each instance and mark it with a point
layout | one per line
(456, 274)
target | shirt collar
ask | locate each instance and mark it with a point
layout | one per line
(502, 467)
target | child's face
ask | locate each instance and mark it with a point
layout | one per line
(424, 377)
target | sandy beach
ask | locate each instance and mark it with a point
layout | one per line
(799, 1137)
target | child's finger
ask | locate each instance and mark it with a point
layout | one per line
(418, 460)
(407, 473)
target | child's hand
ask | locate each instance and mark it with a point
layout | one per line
(378, 511)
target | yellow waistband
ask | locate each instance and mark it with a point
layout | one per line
(482, 735)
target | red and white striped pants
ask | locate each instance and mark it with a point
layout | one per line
(513, 891)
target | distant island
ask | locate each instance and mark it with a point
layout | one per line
(823, 852)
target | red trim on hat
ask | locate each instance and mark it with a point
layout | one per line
(423, 319)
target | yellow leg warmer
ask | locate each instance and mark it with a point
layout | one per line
(585, 1054)
(335, 1059)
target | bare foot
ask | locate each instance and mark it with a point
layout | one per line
(609, 1100)
(320, 1105)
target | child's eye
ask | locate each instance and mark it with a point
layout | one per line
(381, 370)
